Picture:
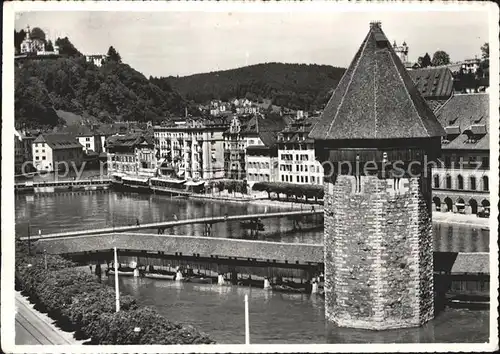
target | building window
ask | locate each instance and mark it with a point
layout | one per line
(43, 157)
(460, 182)
(447, 161)
(87, 146)
(436, 181)
(282, 178)
(37, 158)
(486, 183)
(297, 177)
(87, 139)
(485, 162)
(448, 182)
(302, 179)
(313, 180)
(306, 178)
(472, 183)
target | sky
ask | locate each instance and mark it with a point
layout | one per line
(184, 43)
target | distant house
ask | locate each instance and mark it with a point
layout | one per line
(96, 59)
(54, 152)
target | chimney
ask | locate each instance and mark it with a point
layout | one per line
(375, 24)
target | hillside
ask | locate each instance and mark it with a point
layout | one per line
(112, 92)
(297, 86)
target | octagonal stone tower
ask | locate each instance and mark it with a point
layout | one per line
(376, 140)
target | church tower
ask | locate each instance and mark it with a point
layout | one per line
(374, 139)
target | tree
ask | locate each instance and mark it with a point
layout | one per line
(424, 61)
(18, 39)
(49, 47)
(113, 55)
(485, 51)
(37, 33)
(67, 48)
(440, 58)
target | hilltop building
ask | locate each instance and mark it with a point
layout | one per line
(33, 47)
(378, 219)
(296, 155)
(96, 59)
(56, 152)
(194, 148)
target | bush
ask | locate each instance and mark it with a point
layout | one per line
(290, 189)
(77, 301)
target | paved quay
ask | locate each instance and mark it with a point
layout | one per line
(35, 328)
(461, 219)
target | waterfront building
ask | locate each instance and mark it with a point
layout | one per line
(131, 154)
(249, 132)
(18, 152)
(51, 152)
(234, 150)
(461, 180)
(296, 154)
(261, 149)
(378, 223)
(194, 147)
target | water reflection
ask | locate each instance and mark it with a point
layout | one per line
(76, 211)
(285, 318)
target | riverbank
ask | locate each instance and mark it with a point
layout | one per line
(461, 219)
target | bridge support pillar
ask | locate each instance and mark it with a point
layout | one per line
(178, 276)
(267, 284)
(136, 272)
(220, 279)
(314, 289)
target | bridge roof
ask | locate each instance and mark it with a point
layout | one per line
(262, 250)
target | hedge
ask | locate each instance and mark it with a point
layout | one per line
(291, 189)
(78, 302)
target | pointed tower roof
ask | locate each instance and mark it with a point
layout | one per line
(376, 98)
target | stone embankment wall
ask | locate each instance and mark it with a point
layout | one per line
(378, 252)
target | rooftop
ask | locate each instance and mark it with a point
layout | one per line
(433, 82)
(376, 98)
(59, 141)
(466, 119)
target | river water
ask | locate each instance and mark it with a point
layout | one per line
(83, 210)
(274, 317)
(281, 318)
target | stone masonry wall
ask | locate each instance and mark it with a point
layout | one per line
(378, 253)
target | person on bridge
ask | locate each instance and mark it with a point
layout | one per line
(312, 208)
(137, 222)
(175, 217)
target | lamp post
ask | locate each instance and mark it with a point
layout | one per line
(117, 290)
(247, 322)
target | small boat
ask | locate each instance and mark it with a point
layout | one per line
(120, 272)
(288, 289)
(251, 282)
(198, 280)
(159, 276)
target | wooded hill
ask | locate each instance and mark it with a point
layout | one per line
(296, 86)
(112, 92)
